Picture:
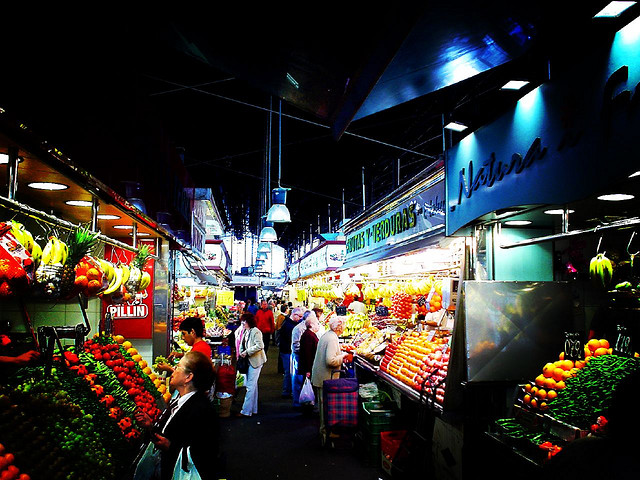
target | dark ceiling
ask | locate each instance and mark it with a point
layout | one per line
(360, 87)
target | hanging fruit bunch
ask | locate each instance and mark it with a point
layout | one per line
(49, 272)
(17, 265)
(79, 273)
(139, 279)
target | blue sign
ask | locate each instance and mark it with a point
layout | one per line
(562, 142)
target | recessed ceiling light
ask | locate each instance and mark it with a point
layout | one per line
(48, 186)
(141, 234)
(517, 223)
(557, 211)
(514, 85)
(455, 126)
(104, 216)
(616, 197)
(123, 227)
(635, 174)
(614, 9)
(79, 203)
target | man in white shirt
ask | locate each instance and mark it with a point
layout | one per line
(357, 306)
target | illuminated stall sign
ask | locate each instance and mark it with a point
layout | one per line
(294, 271)
(557, 144)
(216, 256)
(326, 257)
(418, 215)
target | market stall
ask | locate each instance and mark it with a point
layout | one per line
(549, 212)
(78, 264)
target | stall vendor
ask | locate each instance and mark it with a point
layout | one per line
(192, 331)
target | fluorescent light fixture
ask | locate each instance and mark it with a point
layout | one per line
(140, 234)
(79, 203)
(48, 186)
(517, 223)
(614, 9)
(123, 227)
(615, 197)
(514, 85)
(292, 81)
(635, 174)
(104, 216)
(557, 211)
(456, 127)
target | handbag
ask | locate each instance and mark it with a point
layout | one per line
(148, 468)
(242, 365)
(306, 393)
(185, 468)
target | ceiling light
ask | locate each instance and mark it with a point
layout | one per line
(79, 203)
(456, 127)
(48, 186)
(615, 197)
(514, 85)
(517, 223)
(123, 227)
(262, 256)
(279, 213)
(614, 9)
(292, 81)
(264, 247)
(104, 216)
(635, 174)
(140, 234)
(557, 211)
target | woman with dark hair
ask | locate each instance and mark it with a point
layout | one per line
(192, 331)
(191, 422)
(251, 345)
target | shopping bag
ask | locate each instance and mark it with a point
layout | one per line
(242, 365)
(306, 393)
(240, 379)
(185, 469)
(148, 467)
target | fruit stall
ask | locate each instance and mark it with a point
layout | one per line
(79, 267)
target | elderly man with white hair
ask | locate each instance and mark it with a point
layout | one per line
(329, 357)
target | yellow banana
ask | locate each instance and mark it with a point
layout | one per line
(115, 284)
(47, 252)
(126, 271)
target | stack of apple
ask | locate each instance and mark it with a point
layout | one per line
(419, 358)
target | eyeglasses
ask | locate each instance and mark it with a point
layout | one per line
(184, 369)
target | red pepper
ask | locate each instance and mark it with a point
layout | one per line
(125, 423)
(71, 357)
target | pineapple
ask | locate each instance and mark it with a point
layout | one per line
(79, 244)
(137, 277)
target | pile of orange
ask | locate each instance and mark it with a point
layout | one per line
(545, 387)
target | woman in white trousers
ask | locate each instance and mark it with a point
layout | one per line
(251, 346)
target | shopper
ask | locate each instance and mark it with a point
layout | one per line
(192, 421)
(192, 331)
(284, 313)
(296, 334)
(266, 324)
(321, 321)
(285, 351)
(328, 358)
(308, 346)
(357, 306)
(252, 346)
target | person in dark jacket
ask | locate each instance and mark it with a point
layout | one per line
(308, 347)
(192, 420)
(284, 339)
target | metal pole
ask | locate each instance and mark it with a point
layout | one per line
(13, 173)
(268, 190)
(398, 177)
(279, 141)
(134, 233)
(95, 206)
(565, 220)
(329, 211)
(344, 216)
(364, 199)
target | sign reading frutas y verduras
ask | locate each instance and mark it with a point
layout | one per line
(418, 214)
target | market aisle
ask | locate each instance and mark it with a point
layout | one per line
(280, 443)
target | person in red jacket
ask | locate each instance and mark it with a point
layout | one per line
(265, 323)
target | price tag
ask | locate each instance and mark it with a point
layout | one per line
(573, 348)
(341, 310)
(224, 298)
(622, 346)
(430, 335)
(421, 301)
(431, 293)
(382, 311)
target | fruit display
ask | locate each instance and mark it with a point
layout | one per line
(417, 359)
(401, 305)
(79, 244)
(354, 322)
(49, 273)
(17, 265)
(138, 279)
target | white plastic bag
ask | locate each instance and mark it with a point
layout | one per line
(306, 394)
(179, 472)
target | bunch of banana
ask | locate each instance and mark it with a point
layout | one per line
(116, 280)
(601, 270)
(145, 281)
(133, 283)
(49, 272)
(108, 269)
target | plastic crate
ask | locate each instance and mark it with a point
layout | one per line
(379, 413)
(390, 442)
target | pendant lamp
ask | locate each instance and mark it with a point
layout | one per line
(264, 247)
(262, 256)
(279, 213)
(268, 233)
